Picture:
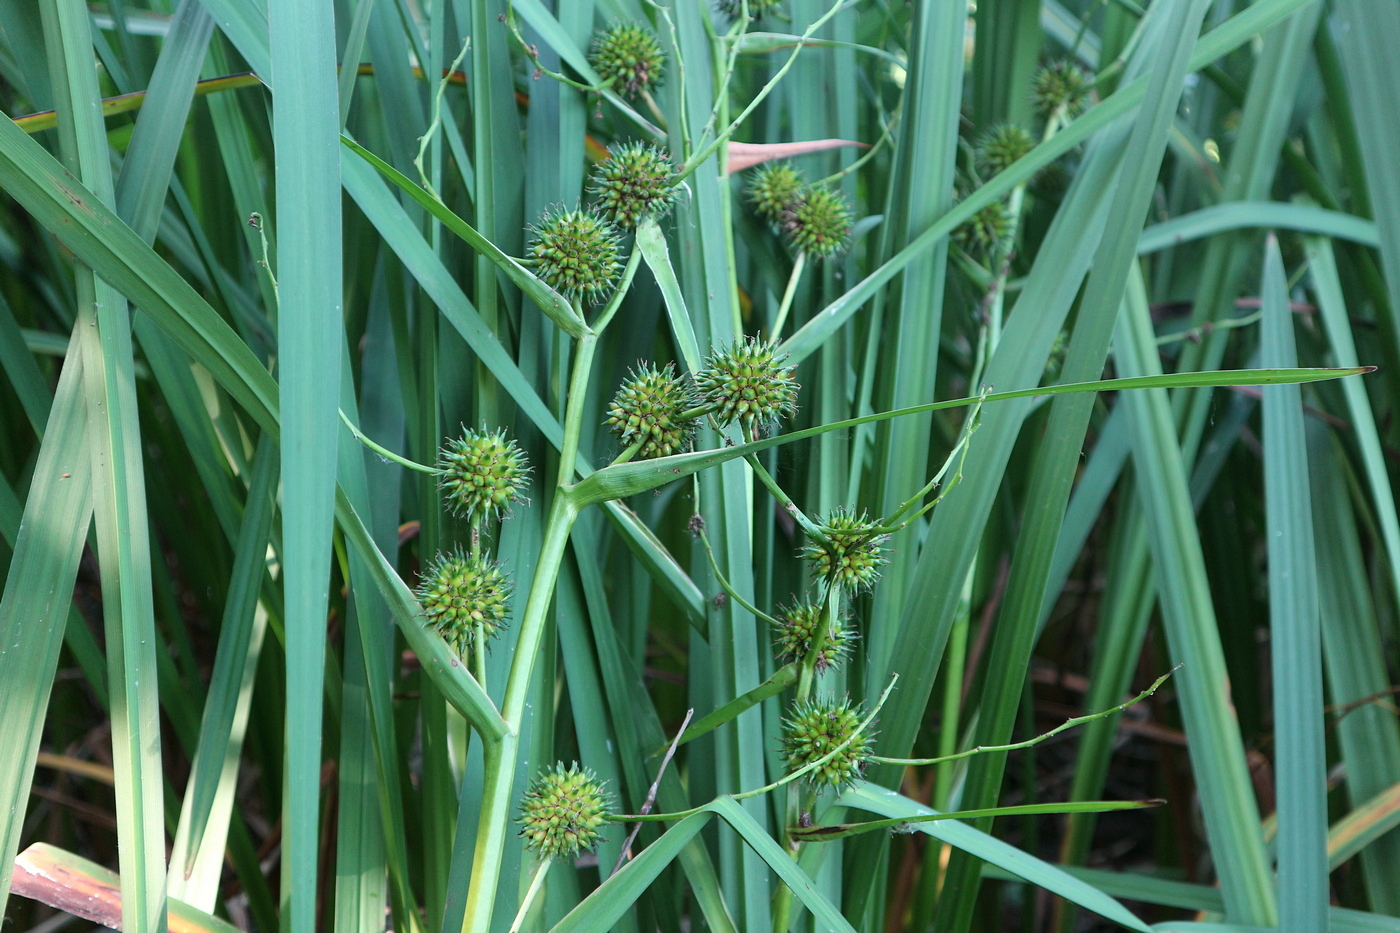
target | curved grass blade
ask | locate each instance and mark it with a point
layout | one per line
(906, 824)
(626, 479)
(961, 836)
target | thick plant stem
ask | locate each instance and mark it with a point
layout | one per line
(501, 757)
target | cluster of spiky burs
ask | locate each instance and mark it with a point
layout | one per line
(815, 219)
(815, 729)
(748, 383)
(466, 599)
(635, 180)
(1001, 147)
(757, 8)
(985, 231)
(1060, 87)
(628, 57)
(797, 631)
(481, 474)
(653, 409)
(562, 811)
(575, 252)
(851, 554)
(745, 383)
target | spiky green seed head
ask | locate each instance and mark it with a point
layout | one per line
(985, 230)
(796, 634)
(748, 383)
(562, 811)
(1001, 147)
(1060, 84)
(772, 187)
(629, 57)
(817, 222)
(853, 552)
(814, 729)
(576, 252)
(634, 181)
(647, 409)
(465, 599)
(482, 473)
(757, 8)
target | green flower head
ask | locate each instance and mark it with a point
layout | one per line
(817, 222)
(1001, 147)
(576, 252)
(772, 187)
(814, 729)
(748, 383)
(465, 599)
(796, 634)
(647, 409)
(482, 473)
(852, 554)
(628, 57)
(1060, 84)
(634, 181)
(985, 230)
(757, 8)
(562, 811)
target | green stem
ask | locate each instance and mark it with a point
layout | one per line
(1067, 724)
(386, 453)
(535, 884)
(573, 412)
(501, 757)
(788, 292)
(633, 261)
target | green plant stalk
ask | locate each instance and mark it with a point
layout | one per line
(797, 266)
(501, 756)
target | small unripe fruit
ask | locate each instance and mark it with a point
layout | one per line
(757, 8)
(748, 383)
(562, 811)
(481, 474)
(796, 634)
(1060, 84)
(985, 230)
(647, 409)
(464, 598)
(852, 554)
(817, 222)
(772, 188)
(628, 57)
(576, 252)
(635, 180)
(1001, 147)
(817, 727)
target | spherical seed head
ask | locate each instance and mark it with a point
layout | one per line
(814, 729)
(634, 181)
(757, 8)
(465, 599)
(576, 252)
(562, 811)
(852, 554)
(748, 383)
(985, 230)
(647, 409)
(483, 472)
(772, 187)
(817, 221)
(629, 56)
(1060, 84)
(1001, 147)
(796, 633)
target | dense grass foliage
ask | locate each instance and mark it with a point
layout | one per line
(731, 465)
